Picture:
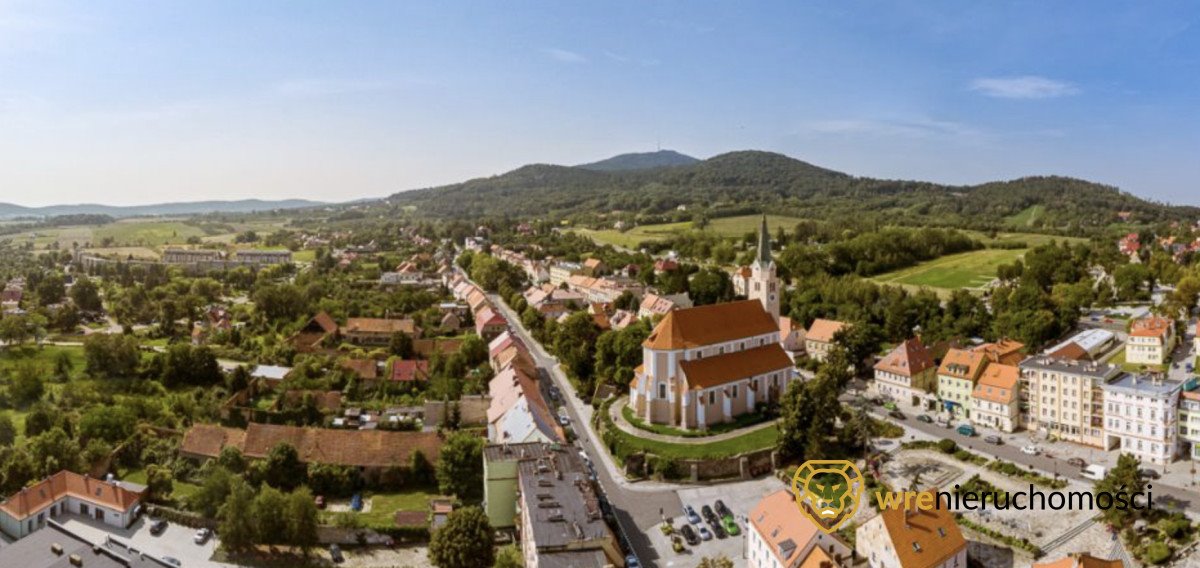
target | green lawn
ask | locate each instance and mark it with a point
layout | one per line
(756, 440)
(181, 490)
(964, 270)
(731, 227)
(738, 422)
(1027, 217)
(384, 507)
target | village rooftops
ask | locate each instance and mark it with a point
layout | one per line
(1153, 326)
(907, 359)
(785, 529)
(35, 498)
(361, 448)
(962, 363)
(380, 326)
(1101, 371)
(998, 383)
(708, 325)
(518, 452)
(823, 330)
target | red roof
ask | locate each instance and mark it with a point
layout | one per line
(409, 370)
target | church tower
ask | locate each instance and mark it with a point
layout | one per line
(764, 285)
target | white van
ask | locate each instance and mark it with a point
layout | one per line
(1094, 472)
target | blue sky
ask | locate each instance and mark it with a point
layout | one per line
(137, 102)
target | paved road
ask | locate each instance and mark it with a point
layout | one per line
(1165, 496)
(637, 505)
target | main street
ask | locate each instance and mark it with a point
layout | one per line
(637, 506)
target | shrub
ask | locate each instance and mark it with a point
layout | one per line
(1156, 553)
(947, 446)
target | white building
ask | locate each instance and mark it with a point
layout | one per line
(907, 374)
(1065, 398)
(1151, 340)
(1141, 417)
(112, 503)
(994, 400)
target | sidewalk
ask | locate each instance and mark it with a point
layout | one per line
(614, 410)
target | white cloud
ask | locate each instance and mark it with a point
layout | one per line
(913, 127)
(1023, 87)
(564, 56)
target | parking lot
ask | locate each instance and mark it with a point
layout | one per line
(175, 542)
(740, 497)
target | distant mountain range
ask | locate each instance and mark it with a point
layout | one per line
(9, 210)
(640, 161)
(662, 185)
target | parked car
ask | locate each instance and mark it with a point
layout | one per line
(157, 527)
(993, 439)
(1149, 473)
(896, 414)
(721, 509)
(335, 554)
(730, 525)
(924, 418)
(1031, 450)
(356, 502)
(691, 515)
(1077, 462)
(889, 405)
(966, 430)
(715, 524)
(1094, 472)
(705, 534)
(632, 561)
(689, 534)
(707, 513)
(202, 536)
(172, 561)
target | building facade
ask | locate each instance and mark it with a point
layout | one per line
(911, 537)
(780, 536)
(907, 374)
(66, 492)
(994, 400)
(1151, 340)
(957, 375)
(1141, 417)
(1064, 398)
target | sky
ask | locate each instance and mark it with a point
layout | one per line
(144, 102)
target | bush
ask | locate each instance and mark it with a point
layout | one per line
(1156, 553)
(947, 446)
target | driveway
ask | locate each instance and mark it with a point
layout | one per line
(175, 542)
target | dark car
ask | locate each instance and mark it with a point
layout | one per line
(1077, 462)
(896, 414)
(335, 554)
(689, 534)
(1149, 473)
(157, 527)
(993, 439)
(925, 418)
(172, 561)
(722, 510)
(715, 525)
(707, 513)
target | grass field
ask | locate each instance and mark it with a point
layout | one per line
(384, 507)
(756, 440)
(1027, 217)
(145, 233)
(969, 269)
(731, 227)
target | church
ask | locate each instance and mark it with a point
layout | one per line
(709, 364)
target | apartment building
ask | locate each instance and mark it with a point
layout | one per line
(1189, 423)
(1064, 398)
(956, 378)
(1151, 340)
(994, 402)
(1140, 417)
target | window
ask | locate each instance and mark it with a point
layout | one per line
(662, 390)
(712, 397)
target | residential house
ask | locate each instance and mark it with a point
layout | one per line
(377, 331)
(594, 267)
(1064, 398)
(710, 364)
(1141, 417)
(655, 305)
(907, 374)
(779, 535)
(108, 502)
(791, 336)
(364, 369)
(489, 323)
(1151, 340)
(957, 375)
(994, 403)
(409, 370)
(561, 522)
(1005, 351)
(818, 340)
(315, 334)
(912, 537)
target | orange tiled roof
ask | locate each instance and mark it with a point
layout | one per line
(365, 368)
(1080, 560)
(380, 325)
(1153, 326)
(361, 448)
(1005, 351)
(907, 359)
(923, 538)
(823, 330)
(998, 383)
(706, 325)
(778, 520)
(34, 499)
(962, 363)
(1071, 351)
(721, 369)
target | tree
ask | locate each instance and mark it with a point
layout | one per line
(14, 330)
(214, 490)
(26, 386)
(269, 512)
(465, 541)
(232, 459)
(111, 355)
(401, 345)
(237, 526)
(112, 424)
(509, 556)
(53, 451)
(302, 519)
(160, 481)
(284, 468)
(187, 365)
(460, 466)
(8, 431)
(710, 286)
(51, 290)
(86, 295)
(1122, 477)
(719, 561)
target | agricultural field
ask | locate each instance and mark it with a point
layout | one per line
(731, 227)
(144, 233)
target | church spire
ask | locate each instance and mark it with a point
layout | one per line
(764, 242)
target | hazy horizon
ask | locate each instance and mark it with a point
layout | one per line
(130, 103)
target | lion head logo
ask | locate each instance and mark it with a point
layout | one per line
(828, 492)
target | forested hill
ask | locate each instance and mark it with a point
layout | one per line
(641, 161)
(751, 181)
